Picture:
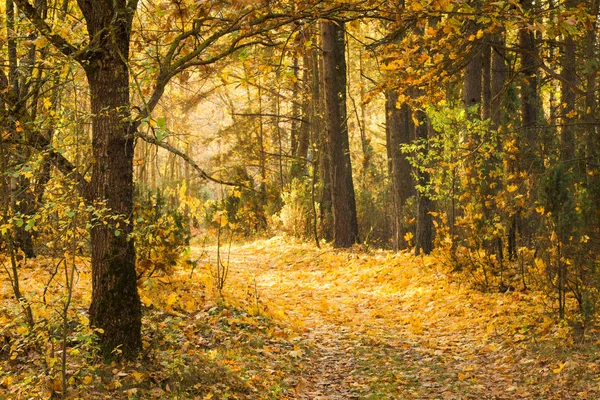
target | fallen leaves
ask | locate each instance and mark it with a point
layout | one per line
(397, 315)
(302, 323)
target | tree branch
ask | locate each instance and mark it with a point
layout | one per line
(203, 174)
(58, 41)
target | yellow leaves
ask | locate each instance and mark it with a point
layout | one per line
(8, 381)
(491, 328)
(423, 58)
(22, 330)
(540, 265)
(540, 210)
(571, 114)
(189, 306)
(138, 376)
(415, 324)
(146, 300)
(297, 352)
(512, 188)
(87, 380)
(221, 219)
(393, 65)
(408, 236)
(559, 368)
(172, 299)
(51, 361)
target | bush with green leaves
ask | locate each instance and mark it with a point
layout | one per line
(161, 234)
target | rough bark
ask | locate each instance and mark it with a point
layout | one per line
(567, 95)
(115, 307)
(398, 121)
(529, 96)
(486, 81)
(345, 225)
(320, 141)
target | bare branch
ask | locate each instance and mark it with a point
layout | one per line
(203, 174)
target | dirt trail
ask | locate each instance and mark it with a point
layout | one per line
(385, 326)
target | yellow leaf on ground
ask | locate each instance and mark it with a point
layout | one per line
(558, 370)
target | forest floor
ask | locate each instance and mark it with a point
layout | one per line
(298, 322)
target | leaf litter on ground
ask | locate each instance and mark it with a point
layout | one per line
(297, 322)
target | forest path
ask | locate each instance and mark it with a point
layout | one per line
(380, 325)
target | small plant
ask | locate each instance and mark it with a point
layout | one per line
(221, 268)
(161, 235)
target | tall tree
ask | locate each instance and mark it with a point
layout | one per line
(115, 306)
(398, 133)
(345, 224)
(567, 93)
(203, 39)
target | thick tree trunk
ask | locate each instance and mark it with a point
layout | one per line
(115, 307)
(398, 121)
(345, 225)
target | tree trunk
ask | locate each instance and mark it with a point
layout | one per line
(472, 80)
(345, 225)
(497, 80)
(303, 127)
(398, 122)
(498, 72)
(424, 230)
(486, 81)
(115, 307)
(320, 141)
(115, 304)
(529, 97)
(591, 106)
(567, 95)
